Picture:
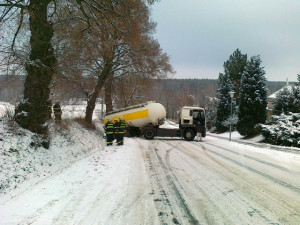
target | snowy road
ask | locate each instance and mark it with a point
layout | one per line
(166, 181)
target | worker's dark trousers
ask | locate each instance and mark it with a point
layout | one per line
(109, 139)
(120, 138)
(57, 118)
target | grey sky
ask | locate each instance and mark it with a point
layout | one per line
(199, 35)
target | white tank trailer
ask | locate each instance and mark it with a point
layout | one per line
(146, 118)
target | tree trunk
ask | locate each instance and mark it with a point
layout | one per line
(93, 97)
(108, 95)
(32, 112)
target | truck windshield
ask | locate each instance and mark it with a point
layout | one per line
(198, 113)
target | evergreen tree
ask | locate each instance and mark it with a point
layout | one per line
(234, 68)
(224, 100)
(211, 112)
(288, 100)
(253, 97)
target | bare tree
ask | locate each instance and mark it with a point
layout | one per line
(120, 45)
(132, 52)
(109, 94)
(41, 62)
(131, 90)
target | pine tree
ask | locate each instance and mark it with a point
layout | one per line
(288, 100)
(211, 112)
(224, 107)
(253, 97)
(234, 68)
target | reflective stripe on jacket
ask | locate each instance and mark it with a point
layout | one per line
(116, 126)
(109, 128)
(57, 109)
(122, 126)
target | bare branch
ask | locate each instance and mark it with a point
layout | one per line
(9, 6)
(18, 30)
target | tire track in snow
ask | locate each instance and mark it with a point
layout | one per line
(252, 202)
(282, 183)
(164, 180)
(34, 217)
(257, 160)
(162, 205)
(206, 200)
(284, 206)
(172, 179)
(251, 198)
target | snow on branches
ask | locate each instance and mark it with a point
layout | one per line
(284, 130)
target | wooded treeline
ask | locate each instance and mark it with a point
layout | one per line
(172, 93)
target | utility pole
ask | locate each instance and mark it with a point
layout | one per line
(231, 93)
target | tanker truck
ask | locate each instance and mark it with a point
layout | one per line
(146, 118)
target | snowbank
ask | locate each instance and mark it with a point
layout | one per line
(255, 141)
(23, 162)
(4, 108)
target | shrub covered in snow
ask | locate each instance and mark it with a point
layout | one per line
(285, 130)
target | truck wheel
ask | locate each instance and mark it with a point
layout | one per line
(189, 135)
(149, 134)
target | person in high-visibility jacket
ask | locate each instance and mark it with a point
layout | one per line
(121, 131)
(116, 126)
(57, 112)
(109, 130)
(49, 109)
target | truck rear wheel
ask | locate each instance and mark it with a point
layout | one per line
(149, 133)
(189, 135)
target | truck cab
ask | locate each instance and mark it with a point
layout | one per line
(192, 121)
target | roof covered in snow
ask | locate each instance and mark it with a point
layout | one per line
(273, 96)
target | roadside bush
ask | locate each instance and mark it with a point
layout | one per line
(284, 130)
(9, 113)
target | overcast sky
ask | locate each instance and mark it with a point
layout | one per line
(200, 35)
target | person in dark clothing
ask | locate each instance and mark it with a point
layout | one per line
(198, 123)
(109, 130)
(121, 131)
(57, 112)
(49, 109)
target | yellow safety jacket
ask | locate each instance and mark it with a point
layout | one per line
(109, 128)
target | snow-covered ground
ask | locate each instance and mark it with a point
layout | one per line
(79, 180)
(5, 108)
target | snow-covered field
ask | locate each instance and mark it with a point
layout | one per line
(79, 180)
(77, 110)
